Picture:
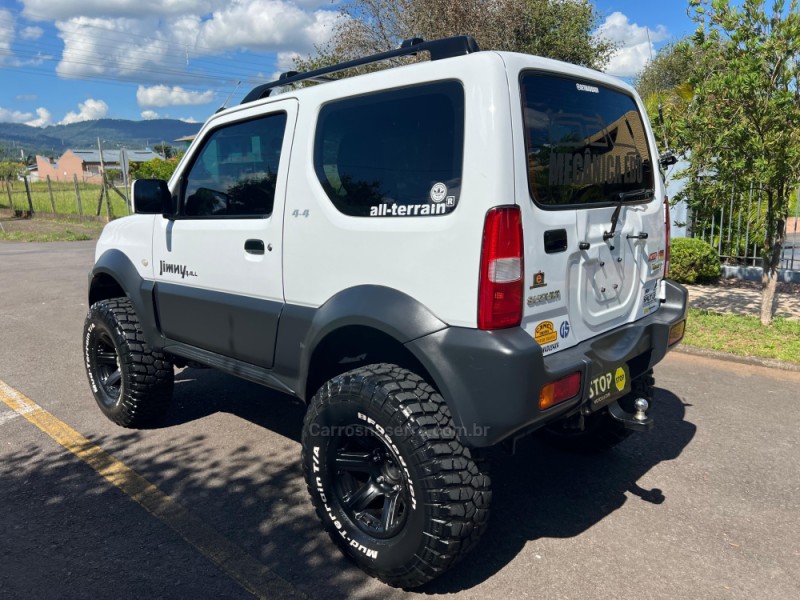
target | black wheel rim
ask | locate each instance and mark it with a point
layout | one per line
(370, 485)
(106, 367)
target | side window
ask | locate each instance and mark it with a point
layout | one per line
(234, 174)
(393, 154)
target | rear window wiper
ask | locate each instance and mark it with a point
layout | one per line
(642, 194)
(622, 197)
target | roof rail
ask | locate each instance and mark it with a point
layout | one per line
(438, 49)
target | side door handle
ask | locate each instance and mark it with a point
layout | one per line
(254, 247)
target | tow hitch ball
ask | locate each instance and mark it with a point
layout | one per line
(638, 420)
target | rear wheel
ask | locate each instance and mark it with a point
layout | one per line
(131, 383)
(393, 486)
(600, 430)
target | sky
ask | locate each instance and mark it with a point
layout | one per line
(66, 61)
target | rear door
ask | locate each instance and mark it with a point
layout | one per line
(593, 219)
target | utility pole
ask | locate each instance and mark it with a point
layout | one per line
(103, 191)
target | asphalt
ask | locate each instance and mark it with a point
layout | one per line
(704, 506)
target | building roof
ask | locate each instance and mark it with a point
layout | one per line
(112, 156)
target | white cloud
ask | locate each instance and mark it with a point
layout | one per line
(155, 41)
(45, 10)
(43, 119)
(267, 25)
(31, 33)
(149, 115)
(635, 47)
(87, 111)
(163, 95)
(14, 116)
(189, 120)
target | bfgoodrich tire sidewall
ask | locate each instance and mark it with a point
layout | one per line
(96, 325)
(382, 555)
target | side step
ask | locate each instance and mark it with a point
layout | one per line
(638, 421)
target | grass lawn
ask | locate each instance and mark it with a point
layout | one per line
(744, 335)
(47, 230)
(64, 198)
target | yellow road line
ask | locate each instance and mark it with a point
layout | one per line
(237, 564)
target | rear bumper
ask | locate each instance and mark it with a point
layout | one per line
(491, 379)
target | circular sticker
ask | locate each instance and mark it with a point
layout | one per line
(619, 379)
(438, 192)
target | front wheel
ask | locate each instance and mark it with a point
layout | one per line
(131, 383)
(393, 486)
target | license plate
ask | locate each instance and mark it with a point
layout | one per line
(609, 385)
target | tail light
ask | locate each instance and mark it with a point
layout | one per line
(668, 228)
(500, 286)
(560, 390)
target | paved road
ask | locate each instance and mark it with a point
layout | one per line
(705, 506)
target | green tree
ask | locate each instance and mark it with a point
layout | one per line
(165, 150)
(11, 169)
(154, 169)
(743, 126)
(560, 30)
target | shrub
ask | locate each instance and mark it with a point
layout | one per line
(693, 261)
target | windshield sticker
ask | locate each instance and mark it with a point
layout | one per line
(438, 192)
(547, 297)
(407, 210)
(563, 331)
(582, 87)
(653, 256)
(586, 168)
(538, 280)
(450, 201)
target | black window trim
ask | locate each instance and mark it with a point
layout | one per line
(556, 75)
(181, 199)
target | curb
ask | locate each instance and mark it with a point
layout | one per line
(769, 363)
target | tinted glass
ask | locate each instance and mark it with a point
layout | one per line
(235, 172)
(393, 154)
(585, 143)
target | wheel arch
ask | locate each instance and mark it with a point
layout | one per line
(369, 320)
(113, 276)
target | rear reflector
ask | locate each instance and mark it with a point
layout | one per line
(560, 390)
(676, 333)
(500, 286)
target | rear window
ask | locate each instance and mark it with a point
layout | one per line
(397, 153)
(585, 143)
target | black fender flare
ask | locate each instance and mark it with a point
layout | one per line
(119, 267)
(381, 308)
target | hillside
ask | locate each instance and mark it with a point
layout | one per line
(55, 139)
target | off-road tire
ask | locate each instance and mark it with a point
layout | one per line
(131, 383)
(387, 420)
(601, 431)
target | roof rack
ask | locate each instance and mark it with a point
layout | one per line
(438, 49)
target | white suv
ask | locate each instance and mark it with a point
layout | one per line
(436, 257)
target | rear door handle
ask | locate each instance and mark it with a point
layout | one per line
(254, 247)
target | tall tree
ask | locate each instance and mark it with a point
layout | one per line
(743, 125)
(560, 30)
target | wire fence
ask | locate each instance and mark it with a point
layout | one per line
(71, 199)
(738, 227)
